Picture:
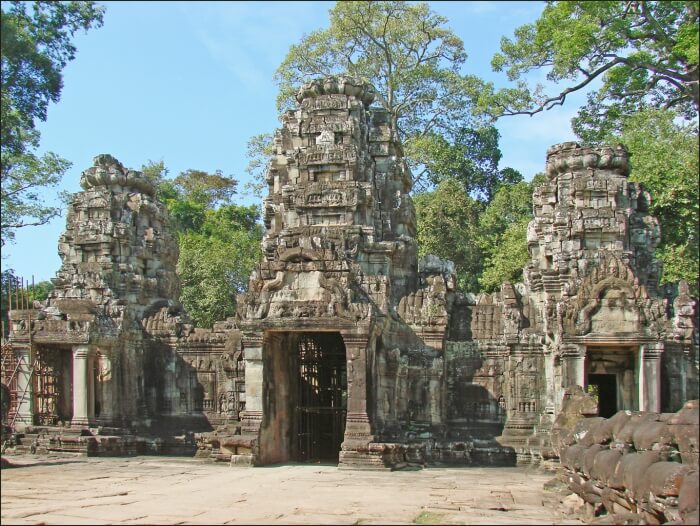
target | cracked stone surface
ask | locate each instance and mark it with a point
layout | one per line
(157, 490)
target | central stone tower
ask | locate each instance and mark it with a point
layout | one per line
(339, 254)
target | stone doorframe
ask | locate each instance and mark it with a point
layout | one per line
(358, 427)
(647, 367)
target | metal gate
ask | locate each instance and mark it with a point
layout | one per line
(47, 390)
(321, 397)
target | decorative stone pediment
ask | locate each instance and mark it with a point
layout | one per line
(610, 300)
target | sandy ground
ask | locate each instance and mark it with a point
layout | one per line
(167, 490)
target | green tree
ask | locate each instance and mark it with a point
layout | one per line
(219, 241)
(259, 149)
(664, 158)
(209, 189)
(645, 53)
(471, 158)
(502, 234)
(447, 226)
(405, 50)
(35, 47)
(9, 295)
(215, 263)
(23, 178)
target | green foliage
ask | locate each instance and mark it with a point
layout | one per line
(155, 171)
(405, 50)
(486, 241)
(645, 53)
(9, 284)
(664, 158)
(35, 46)
(23, 177)
(502, 234)
(219, 241)
(471, 158)
(216, 261)
(447, 226)
(208, 189)
(505, 261)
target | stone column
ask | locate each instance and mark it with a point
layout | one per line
(575, 359)
(650, 387)
(251, 418)
(25, 388)
(81, 389)
(105, 385)
(91, 374)
(358, 430)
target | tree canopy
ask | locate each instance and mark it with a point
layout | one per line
(219, 241)
(644, 54)
(471, 158)
(36, 46)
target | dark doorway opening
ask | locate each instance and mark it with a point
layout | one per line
(606, 387)
(321, 396)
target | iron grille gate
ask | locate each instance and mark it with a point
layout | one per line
(321, 397)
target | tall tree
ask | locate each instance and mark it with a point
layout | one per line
(447, 220)
(259, 150)
(644, 53)
(405, 50)
(502, 234)
(35, 47)
(219, 241)
(471, 158)
(216, 261)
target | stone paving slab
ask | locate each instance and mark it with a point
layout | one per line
(168, 490)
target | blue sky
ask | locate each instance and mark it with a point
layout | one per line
(191, 82)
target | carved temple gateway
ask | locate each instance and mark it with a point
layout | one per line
(346, 348)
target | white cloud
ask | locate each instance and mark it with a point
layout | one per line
(481, 7)
(252, 38)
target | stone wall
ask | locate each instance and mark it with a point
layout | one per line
(589, 311)
(98, 338)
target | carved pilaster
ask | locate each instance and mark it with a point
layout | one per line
(358, 429)
(650, 373)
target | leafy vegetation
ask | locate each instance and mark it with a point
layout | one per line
(644, 53)
(36, 46)
(664, 158)
(219, 241)
(11, 296)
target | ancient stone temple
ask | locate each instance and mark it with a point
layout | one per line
(431, 374)
(323, 336)
(346, 348)
(589, 312)
(87, 356)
